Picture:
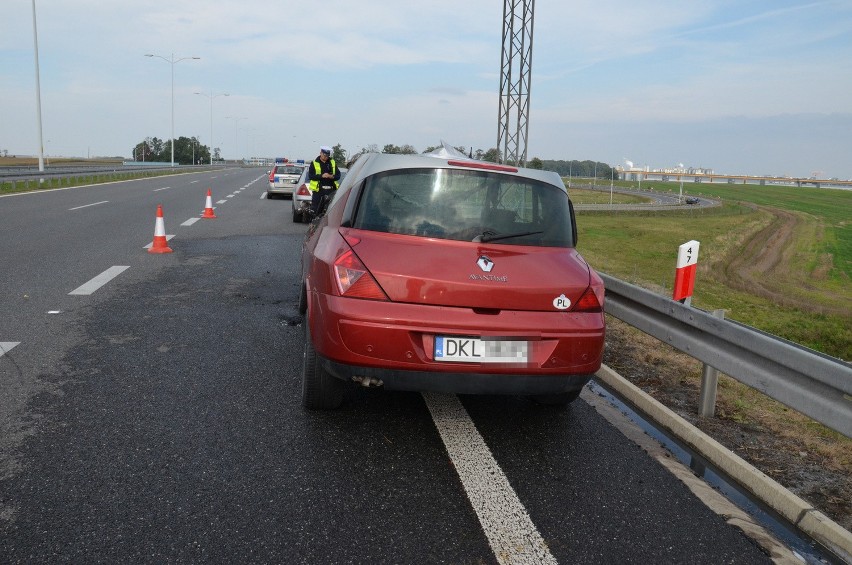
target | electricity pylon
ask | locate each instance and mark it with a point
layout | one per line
(515, 74)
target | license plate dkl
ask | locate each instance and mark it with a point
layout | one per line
(477, 350)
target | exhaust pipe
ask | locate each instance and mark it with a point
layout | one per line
(368, 381)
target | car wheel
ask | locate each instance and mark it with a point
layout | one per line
(320, 390)
(557, 398)
(297, 216)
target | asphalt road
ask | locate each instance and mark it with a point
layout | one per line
(155, 416)
(657, 201)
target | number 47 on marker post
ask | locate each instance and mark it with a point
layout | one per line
(687, 264)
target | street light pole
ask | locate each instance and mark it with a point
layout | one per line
(236, 145)
(172, 61)
(611, 177)
(211, 97)
(38, 94)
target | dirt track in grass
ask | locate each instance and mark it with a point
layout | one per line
(763, 267)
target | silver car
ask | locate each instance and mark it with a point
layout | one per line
(302, 197)
(283, 178)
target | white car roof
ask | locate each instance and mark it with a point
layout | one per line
(380, 162)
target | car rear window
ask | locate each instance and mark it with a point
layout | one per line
(466, 206)
(289, 170)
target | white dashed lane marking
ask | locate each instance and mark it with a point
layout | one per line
(87, 205)
(164, 188)
(6, 346)
(190, 221)
(100, 280)
(221, 201)
(512, 535)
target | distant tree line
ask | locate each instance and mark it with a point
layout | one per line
(188, 150)
(565, 168)
(579, 168)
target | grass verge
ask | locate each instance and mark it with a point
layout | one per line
(775, 258)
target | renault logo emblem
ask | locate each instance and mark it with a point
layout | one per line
(485, 264)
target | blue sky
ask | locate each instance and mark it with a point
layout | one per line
(747, 87)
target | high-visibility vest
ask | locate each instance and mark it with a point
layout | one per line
(314, 184)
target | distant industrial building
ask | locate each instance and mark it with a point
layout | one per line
(680, 173)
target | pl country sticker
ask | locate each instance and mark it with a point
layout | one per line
(561, 302)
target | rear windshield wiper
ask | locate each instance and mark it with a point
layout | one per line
(489, 235)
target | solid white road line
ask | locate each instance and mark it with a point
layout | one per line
(510, 531)
(190, 221)
(6, 346)
(100, 280)
(87, 205)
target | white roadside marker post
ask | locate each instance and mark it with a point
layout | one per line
(687, 265)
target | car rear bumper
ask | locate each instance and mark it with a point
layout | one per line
(395, 343)
(461, 383)
(286, 189)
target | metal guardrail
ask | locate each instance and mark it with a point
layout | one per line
(21, 173)
(814, 384)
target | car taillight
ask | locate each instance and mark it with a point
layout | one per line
(303, 190)
(353, 280)
(588, 303)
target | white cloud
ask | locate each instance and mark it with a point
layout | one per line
(415, 73)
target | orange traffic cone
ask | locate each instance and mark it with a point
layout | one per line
(208, 207)
(160, 244)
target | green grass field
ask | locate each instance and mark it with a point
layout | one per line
(596, 197)
(833, 207)
(802, 289)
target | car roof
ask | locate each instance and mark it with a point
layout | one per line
(381, 162)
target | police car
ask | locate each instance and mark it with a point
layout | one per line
(284, 177)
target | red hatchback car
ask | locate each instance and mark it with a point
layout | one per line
(443, 273)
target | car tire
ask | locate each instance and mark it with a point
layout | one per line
(297, 216)
(557, 398)
(320, 390)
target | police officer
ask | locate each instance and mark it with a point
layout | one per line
(324, 177)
